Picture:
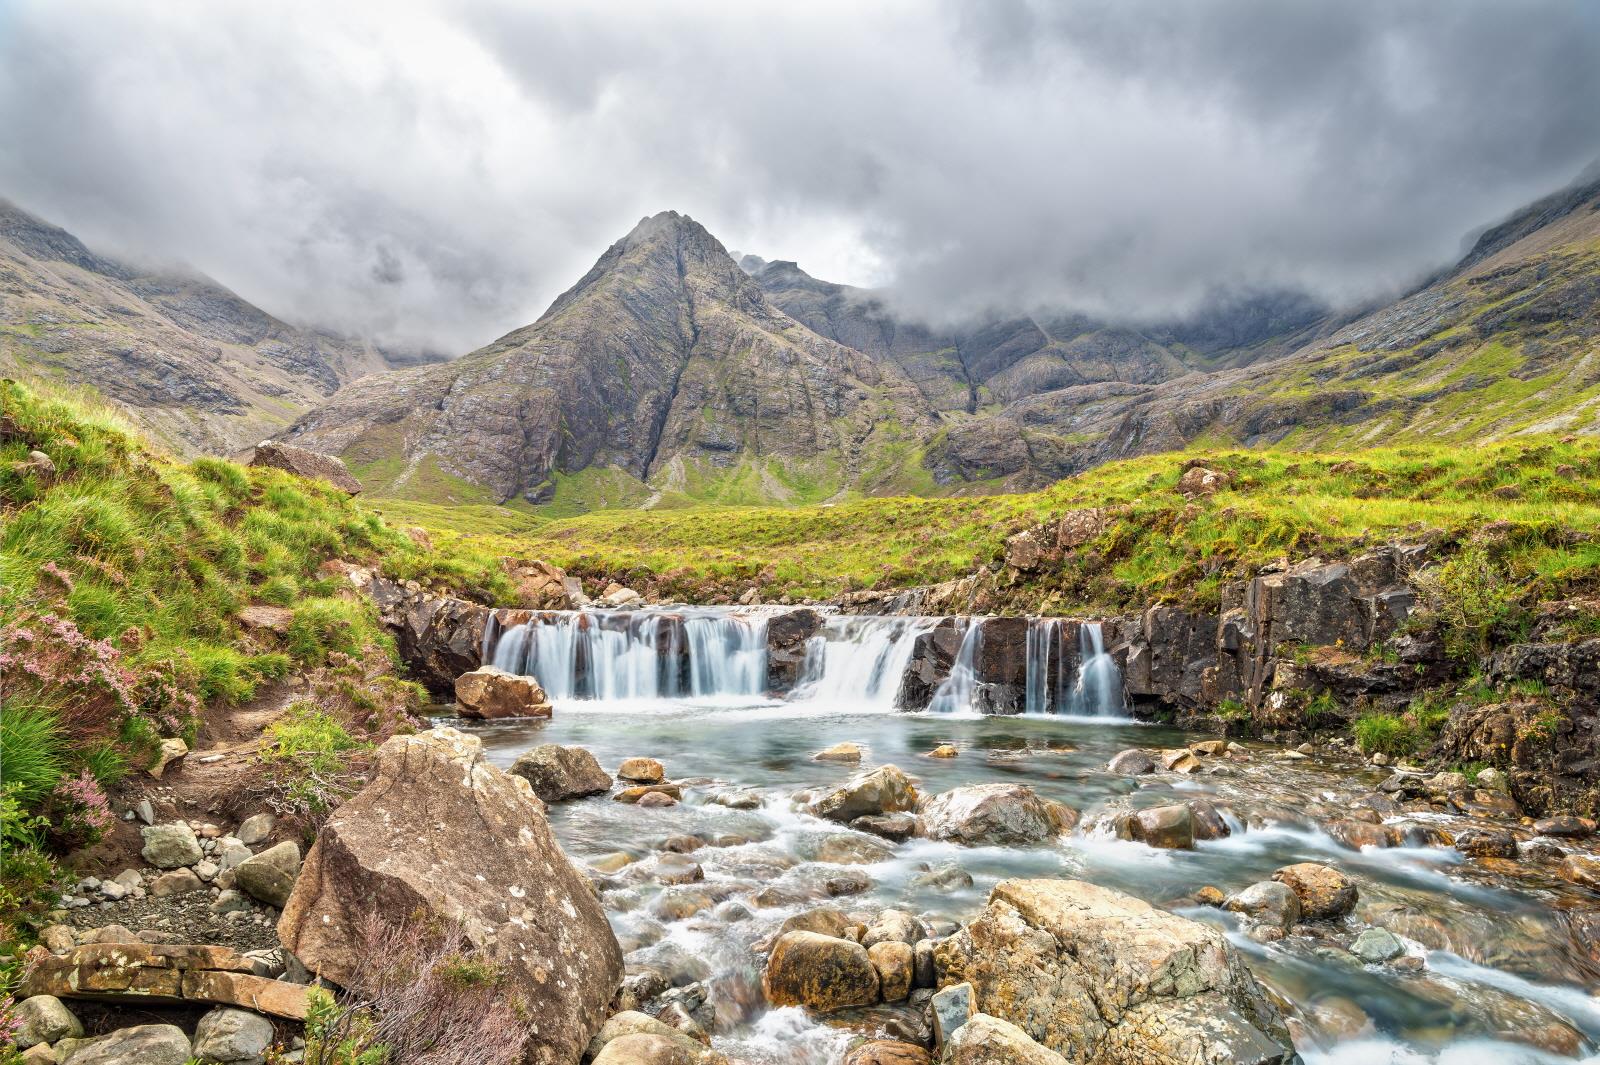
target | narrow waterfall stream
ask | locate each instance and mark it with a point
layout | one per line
(1490, 963)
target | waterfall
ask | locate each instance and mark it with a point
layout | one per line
(957, 690)
(1094, 690)
(859, 660)
(639, 654)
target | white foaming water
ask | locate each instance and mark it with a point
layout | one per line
(955, 694)
(1472, 1052)
(859, 660)
(639, 654)
(1093, 690)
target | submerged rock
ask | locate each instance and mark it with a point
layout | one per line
(995, 815)
(412, 843)
(1267, 903)
(1099, 976)
(1132, 763)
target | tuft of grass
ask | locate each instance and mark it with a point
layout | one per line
(31, 752)
(1381, 733)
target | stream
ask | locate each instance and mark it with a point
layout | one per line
(1499, 959)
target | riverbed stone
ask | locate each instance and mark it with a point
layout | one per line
(1132, 763)
(1180, 760)
(986, 1040)
(269, 876)
(439, 831)
(655, 800)
(649, 1049)
(1325, 893)
(232, 1037)
(995, 815)
(1565, 827)
(491, 694)
(171, 845)
(1267, 902)
(176, 882)
(823, 920)
(819, 972)
(1102, 977)
(44, 1019)
(893, 926)
(896, 827)
(641, 771)
(630, 1023)
(144, 1044)
(559, 773)
(1165, 827)
(1486, 843)
(945, 750)
(1376, 945)
(887, 1052)
(895, 964)
(884, 790)
(257, 828)
(846, 849)
(839, 752)
(1581, 869)
(639, 791)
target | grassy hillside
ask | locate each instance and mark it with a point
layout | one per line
(1538, 497)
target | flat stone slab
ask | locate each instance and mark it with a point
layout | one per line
(163, 973)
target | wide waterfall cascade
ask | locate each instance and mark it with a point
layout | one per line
(639, 654)
(956, 692)
(860, 660)
(1094, 689)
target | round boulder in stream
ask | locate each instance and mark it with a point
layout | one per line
(819, 972)
(560, 773)
(884, 790)
(995, 815)
(1325, 893)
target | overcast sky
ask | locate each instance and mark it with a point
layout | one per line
(436, 173)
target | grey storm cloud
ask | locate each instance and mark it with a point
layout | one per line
(433, 174)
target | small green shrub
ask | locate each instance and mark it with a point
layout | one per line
(1383, 733)
(336, 1035)
(322, 626)
(308, 753)
(1471, 595)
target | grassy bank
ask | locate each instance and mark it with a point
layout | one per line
(1538, 498)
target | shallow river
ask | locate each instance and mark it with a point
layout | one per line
(1498, 957)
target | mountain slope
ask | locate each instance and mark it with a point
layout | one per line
(664, 370)
(196, 365)
(1507, 342)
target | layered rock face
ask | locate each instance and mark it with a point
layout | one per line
(396, 848)
(665, 364)
(1103, 978)
(190, 361)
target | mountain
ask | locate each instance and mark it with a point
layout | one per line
(665, 372)
(983, 365)
(1506, 342)
(196, 365)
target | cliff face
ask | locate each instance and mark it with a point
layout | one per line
(193, 363)
(665, 369)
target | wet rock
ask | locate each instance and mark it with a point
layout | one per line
(304, 462)
(44, 1019)
(884, 790)
(1097, 975)
(641, 771)
(1581, 869)
(633, 1023)
(1324, 893)
(893, 926)
(145, 1044)
(945, 750)
(995, 815)
(559, 773)
(1208, 820)
(948, 877)
(845, 850)
(270, 875)
(986, 1040)
(1209, 895)
(819, 972)
(170, 846)
(887, 1052)
(848, 884)
(897, 827)
(951, 1008)
(1165, 827)
(1565, 827)
(439, 638)
(1132, 763)
(823, 920)
(489, 693)
(924, 970)
(656, 799)
(412, 842)
(1209, 748)
(232, 1037)
(1359, 834)
(1486, 843)
(1377, 945)
(1181, 760)
(839, 752)
(639, 791)
(676, 869)
(895, 964)
(787, 634)
(1267, 902)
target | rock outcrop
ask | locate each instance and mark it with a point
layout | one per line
(1103, 978)
(306, 463)
(490, 693)
(409, 843)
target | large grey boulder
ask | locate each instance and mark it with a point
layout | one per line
(441, 833)
(44, 1019)
(1103, 978)
(306, 463)
(146, 1044)
(170, 846)
(560, 773)
(232, 1037)
(270, 875)
(995, 815)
